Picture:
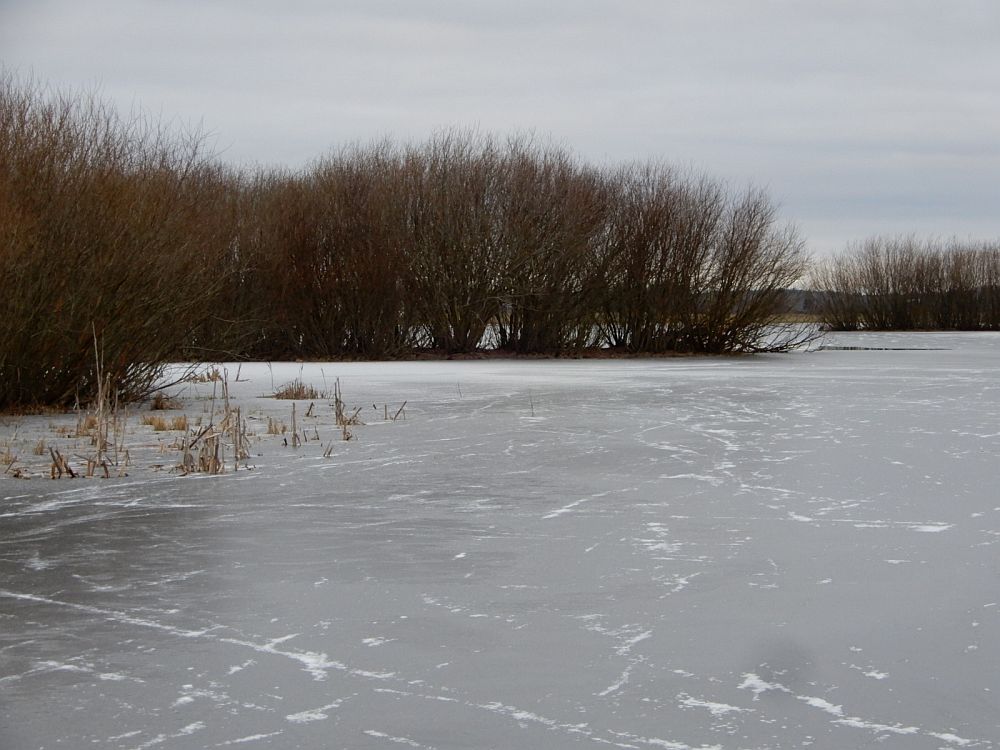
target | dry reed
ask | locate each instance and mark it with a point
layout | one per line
(298, 390)
(206, 451)
(165, 424)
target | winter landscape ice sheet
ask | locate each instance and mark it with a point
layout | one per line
(793, 551)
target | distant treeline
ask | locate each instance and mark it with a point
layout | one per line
(905, 284)
(123, 242)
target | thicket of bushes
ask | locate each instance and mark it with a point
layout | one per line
(114, 229)
(124, 242)
(464, 241)
(111, 230)
(904, 284)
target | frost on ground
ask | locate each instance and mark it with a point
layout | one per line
(772, 552)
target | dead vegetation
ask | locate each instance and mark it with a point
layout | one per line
(344, 419)
(166, 424)
(298, 390)
(209, 375)
(206, 451)
(93, 443)
(7, 455)
(163, 402)
(109, 418)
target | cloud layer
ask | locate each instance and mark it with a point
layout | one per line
(859, 117)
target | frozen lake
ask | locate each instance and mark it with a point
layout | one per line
(795, 551)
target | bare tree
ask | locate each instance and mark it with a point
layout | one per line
(108, 228)
(901, 283)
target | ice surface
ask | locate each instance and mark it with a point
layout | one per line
(766, 552)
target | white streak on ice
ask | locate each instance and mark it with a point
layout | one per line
(857, 723)
(628, 644)
(870, 672)
(712, 480)
(398, 740)
(568, 508)
(161, 738)
(716, 709)
(622, 680)
(823, 705)
(314, 714)
(316, 664)
(124, 736)
(755, 684)
(249, 738)
(667, 744)
(240, 667)
(951, 738)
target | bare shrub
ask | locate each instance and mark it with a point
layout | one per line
(901, 283)
(450, 188)
(754, 260)
(692, 268)
(119, 229)
(107, 226)
(656, 250)
(331, 239)
(551, 212)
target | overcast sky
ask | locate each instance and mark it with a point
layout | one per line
(859, 117)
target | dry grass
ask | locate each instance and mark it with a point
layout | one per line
(207, 376)
(159, 424)
(85, 425)
(340, 410)
(165, 424)
(205, 452)
(61, 466)
(162, 402)
(298, 390)
(275, 426)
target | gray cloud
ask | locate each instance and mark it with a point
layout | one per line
(859, 117)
